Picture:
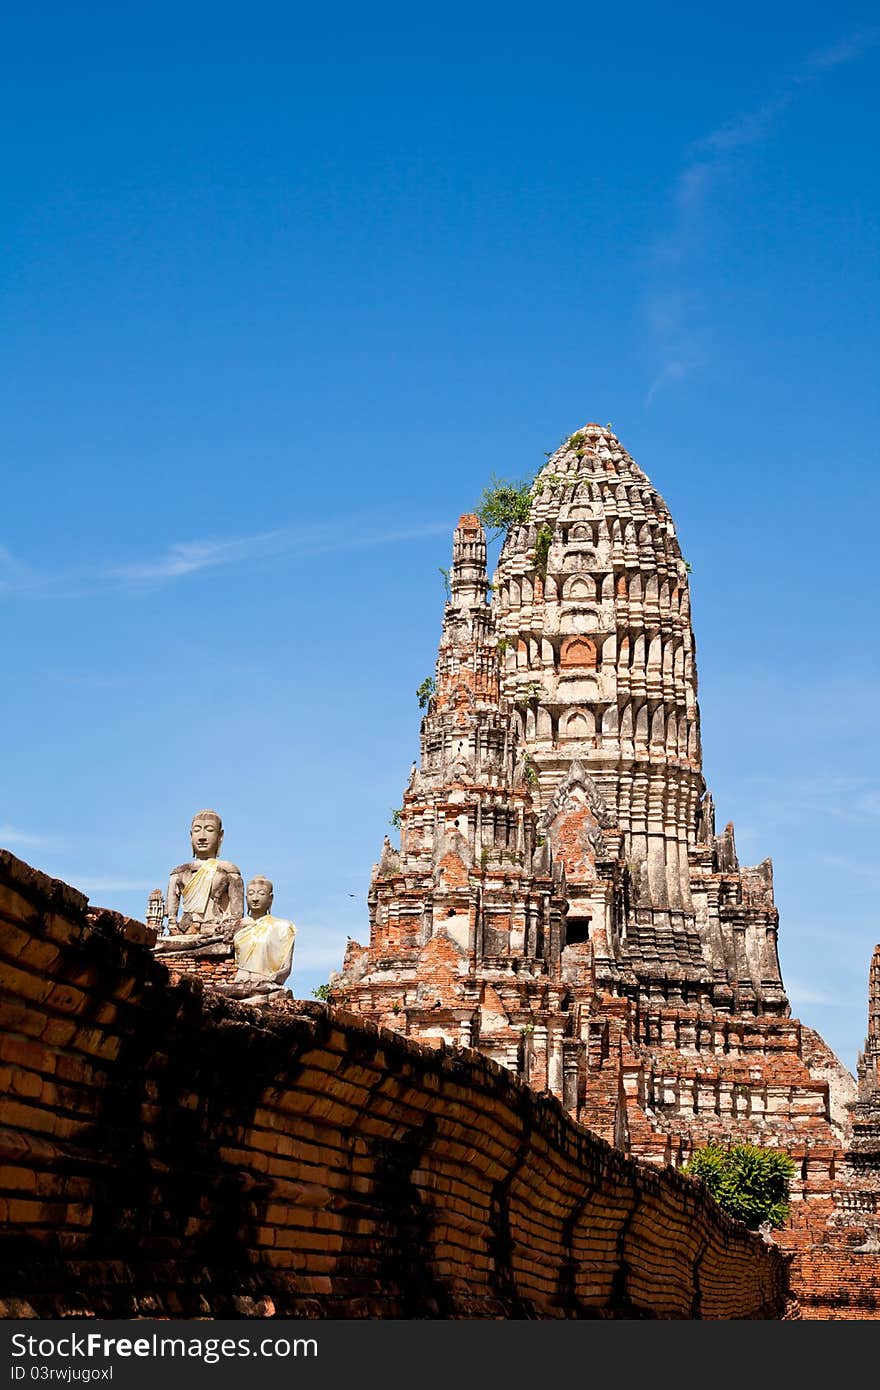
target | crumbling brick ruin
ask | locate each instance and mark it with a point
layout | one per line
(561, 898)
(561, 903)
(165, 1151)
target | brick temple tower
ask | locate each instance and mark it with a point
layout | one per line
(593, 614)
(561, 899)
(466, 918)
(865, 1143)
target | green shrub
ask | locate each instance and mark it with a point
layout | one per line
(751, 1184)
(543, 542)
(425, 691)
(504, 504)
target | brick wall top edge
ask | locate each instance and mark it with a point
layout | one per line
(56, 895)
(306, 1023)
(39, 887)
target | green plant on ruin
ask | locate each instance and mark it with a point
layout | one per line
(578, 442)
(446, 584)
(322, 992)
(750, 1183)
(543, 542)
(396, 817)
(425, 691)
(502, 644)
(563, 480)
(526, 694)
(504, 504)
(688, 568)
(530, 772)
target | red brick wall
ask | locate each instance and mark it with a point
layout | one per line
(167, 1152)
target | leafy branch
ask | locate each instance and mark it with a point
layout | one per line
(504, 504)
(425, 691)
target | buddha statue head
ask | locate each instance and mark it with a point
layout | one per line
(206, 833)
(260, 893)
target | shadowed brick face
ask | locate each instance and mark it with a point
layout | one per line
(166, 1152)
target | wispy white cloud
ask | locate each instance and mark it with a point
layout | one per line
(15, 576)
(735, 134)
(186, 557)
(847, 800)
(92, 680)
(845, 50)
(682, 347)
(856, 868)
(802, 993)
(689, 356)
(88, 885)
(10, 835)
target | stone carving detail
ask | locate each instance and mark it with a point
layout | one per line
(155, 911)
(472, 900)
(706, 820)
(561, 800)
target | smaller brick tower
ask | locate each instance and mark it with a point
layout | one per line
(466, 918)
(864, 1153)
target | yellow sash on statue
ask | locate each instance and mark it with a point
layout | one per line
(197, 893)
(264, 946)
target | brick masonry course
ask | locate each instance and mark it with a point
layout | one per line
(165, 1152)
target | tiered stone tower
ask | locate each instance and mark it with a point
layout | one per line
(593, 614)
(466, 919)
(865, 1144)
(561, 899)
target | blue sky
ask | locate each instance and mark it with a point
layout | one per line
(284, 284)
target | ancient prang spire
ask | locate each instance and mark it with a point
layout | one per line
(466, 917)
(592, 608)
(561, 897)
(866, 1111)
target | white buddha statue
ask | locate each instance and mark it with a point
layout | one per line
(263, 945)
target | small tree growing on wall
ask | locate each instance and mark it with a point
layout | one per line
(504, 504)
(750, 1183)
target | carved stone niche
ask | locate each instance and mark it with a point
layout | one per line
(578, 589)
(578, 724)
(578, 651)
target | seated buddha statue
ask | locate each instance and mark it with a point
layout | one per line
(208, 889)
